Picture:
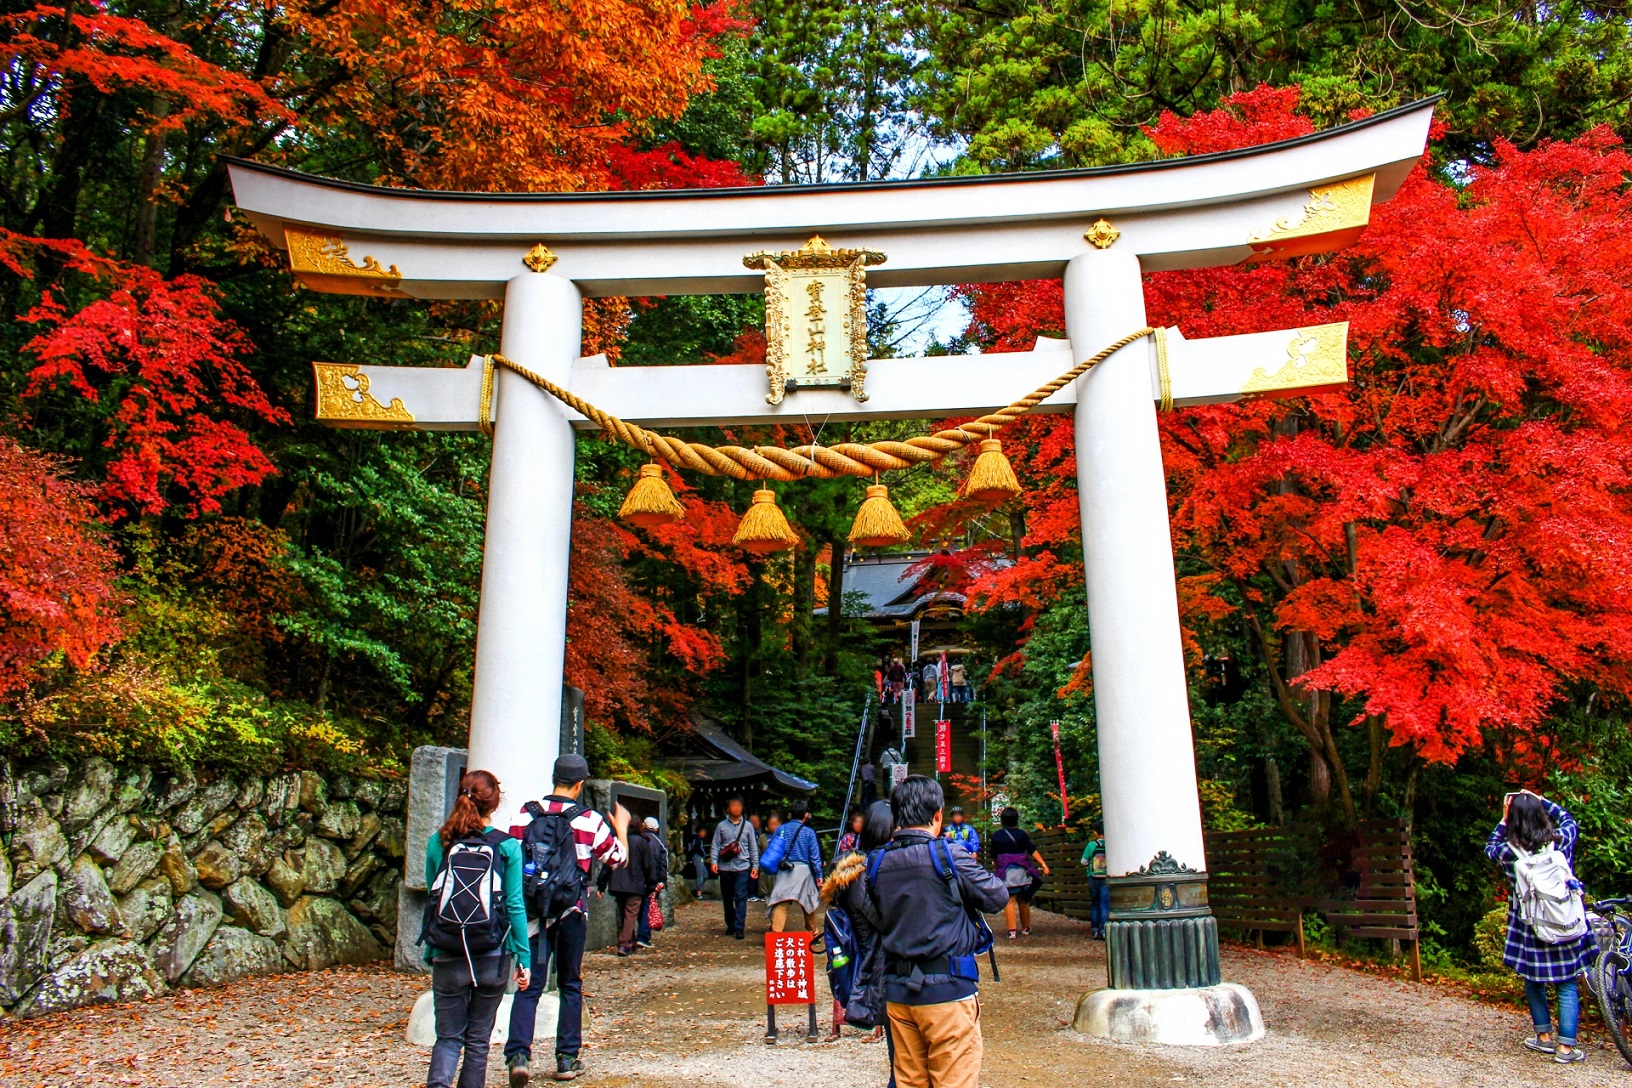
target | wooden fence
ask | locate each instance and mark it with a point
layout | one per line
(1248, 882)
(1066, 890)
(1384, 901)
(1264, 879)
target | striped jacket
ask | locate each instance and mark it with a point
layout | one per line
(591, 835)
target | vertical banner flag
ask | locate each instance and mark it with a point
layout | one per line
(908, 725)
(943, 746)
(944, 679)
(1059, 762)
(898, 774)
(790, 970)
(912, 661)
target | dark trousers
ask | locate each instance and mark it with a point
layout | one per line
(734, 898)
(1099, 912)
(628, 919)
(564, 943)
(464, 1017)
(643, 924)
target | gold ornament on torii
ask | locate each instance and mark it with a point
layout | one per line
(815, 317)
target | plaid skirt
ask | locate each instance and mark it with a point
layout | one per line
(1537, 961)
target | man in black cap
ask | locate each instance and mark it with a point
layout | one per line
(562, 937)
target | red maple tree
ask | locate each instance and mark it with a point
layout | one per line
(56, 572)
(1446, 542)
(627, 648)
(168, 367)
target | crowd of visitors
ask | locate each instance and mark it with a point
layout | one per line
(945, 680)
(901, 915)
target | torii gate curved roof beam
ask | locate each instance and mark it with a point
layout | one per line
(1304, 195)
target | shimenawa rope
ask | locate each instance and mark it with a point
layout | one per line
(820, 462)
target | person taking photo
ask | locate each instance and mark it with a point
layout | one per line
(1535, 845)
(930, 898)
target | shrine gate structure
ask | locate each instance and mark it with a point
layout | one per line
(543, 253)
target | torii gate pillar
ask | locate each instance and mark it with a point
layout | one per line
(1162, 940)
(521, 633)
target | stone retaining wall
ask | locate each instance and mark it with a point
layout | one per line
(117, 883)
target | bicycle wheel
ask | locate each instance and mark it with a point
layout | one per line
(1614, 993)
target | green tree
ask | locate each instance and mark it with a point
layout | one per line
(1024, 84)
(831, 82)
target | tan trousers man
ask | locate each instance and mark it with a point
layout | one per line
(779, 917)
(937, 1046)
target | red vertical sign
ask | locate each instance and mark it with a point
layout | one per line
(943, 746)
(1059, 763)
(790, 969)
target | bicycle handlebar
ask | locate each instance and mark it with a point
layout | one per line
(1611, 906)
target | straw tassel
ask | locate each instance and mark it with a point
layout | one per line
(992, 479)
(650, 503)
(877, 524)
(764, 528)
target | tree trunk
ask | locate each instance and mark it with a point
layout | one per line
(1272, 790)
(1312, 720)
(322, 702)
(1374, 767)
(1321, 718)
(835, 605)
(145, 246)
(1320, 778)
(804, 605)
(1408, 802)
(749, 618)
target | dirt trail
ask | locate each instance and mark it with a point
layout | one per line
(691, 1012)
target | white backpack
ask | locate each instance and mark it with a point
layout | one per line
(1549, 895)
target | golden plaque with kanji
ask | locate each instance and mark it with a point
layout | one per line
(815, 317)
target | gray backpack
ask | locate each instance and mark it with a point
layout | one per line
(1549, 896)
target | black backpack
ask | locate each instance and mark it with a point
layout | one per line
(466, 912)
(940, 856)
(553, 881)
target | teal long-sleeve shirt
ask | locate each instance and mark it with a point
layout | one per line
(515, 942)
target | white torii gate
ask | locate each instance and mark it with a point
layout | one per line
(1099, 228)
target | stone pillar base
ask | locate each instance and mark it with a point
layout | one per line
(422, 1022)
(1221, 1015)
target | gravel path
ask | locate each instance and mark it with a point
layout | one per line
(690, 1012)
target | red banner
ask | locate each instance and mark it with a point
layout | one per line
(790, 969)
(943, 746)
(1059, 762)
